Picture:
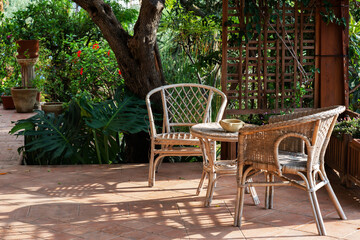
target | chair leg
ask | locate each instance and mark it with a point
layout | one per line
(151, 179)
(253, 193)
(269, 192)
(333, 197)
(317, 214)
(201, 183)
(239, 206)
(152, 167)
(158, 165)
(210, 189)
(335, 201)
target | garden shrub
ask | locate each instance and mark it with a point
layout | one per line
(350, 126)
(87, 133)
(62, 30)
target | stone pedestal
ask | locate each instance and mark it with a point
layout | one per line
(28, 73)
(27, 70)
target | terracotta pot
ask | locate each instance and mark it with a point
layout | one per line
(24, 99)
(28, 48)
(52, 107)
(8, 102)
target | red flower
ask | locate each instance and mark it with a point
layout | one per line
(96, 46)
(109, 53)
(81, 71)
(119, 72)
(78, 53)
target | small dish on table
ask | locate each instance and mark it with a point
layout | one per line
(231, 125)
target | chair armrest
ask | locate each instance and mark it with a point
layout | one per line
(259, 145)
(151, 115)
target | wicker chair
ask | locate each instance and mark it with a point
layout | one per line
(263, 150)
(184, 105)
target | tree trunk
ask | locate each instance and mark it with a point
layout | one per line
(137, 147)
(137, 56)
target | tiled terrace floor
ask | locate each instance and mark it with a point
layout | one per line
(114, 202)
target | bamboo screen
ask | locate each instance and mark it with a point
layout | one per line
(265, 74)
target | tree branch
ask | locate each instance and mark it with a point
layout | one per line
(200, 79)
(146, 26)
(191, 7)
(103, 16)
(354, 89)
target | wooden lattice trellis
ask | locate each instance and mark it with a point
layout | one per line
(266, 72)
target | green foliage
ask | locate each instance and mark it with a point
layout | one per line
(62, 31)
(256, 12)
(86, 133)
(347, 126)
(11, 6)
(5, 91)
(10, 69)
(257, 119)
(354, 56)
(189, 42)
(53, 140)
(93, 68)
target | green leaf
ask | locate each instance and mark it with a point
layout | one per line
(22, 126)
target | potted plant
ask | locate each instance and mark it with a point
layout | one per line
(27, 47)
(24, 31)
(346, 134)
(7, 100)
(52, 107)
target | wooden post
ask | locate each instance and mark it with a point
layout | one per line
(334, 58)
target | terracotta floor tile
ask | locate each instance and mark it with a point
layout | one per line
(175, 233)
(156, 237)
(255, 230)
(334, 228)
(353, 236)
(135, 234)
(97, 236)
(114, 202)
(17, 236)
(296, 234)
(283, 219)
(216, 233)
(116, 229)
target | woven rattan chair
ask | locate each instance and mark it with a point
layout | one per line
(184, 105)
(264, 149)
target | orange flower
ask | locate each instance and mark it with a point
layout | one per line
(78, 53)
(95, 46)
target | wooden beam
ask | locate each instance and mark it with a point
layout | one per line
(333, 58)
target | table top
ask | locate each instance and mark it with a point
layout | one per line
(213, 131)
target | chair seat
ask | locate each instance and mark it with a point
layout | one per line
(223, 166)
(176, 138)
(292, 162)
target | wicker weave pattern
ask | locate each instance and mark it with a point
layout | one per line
(184, 105)
(187, 104)
(260, 151)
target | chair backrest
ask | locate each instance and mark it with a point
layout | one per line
(324, 128)
(186, 104)
(312, 127)
(317, 125)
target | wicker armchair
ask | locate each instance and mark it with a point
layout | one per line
(265, 149)
(183, 106)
